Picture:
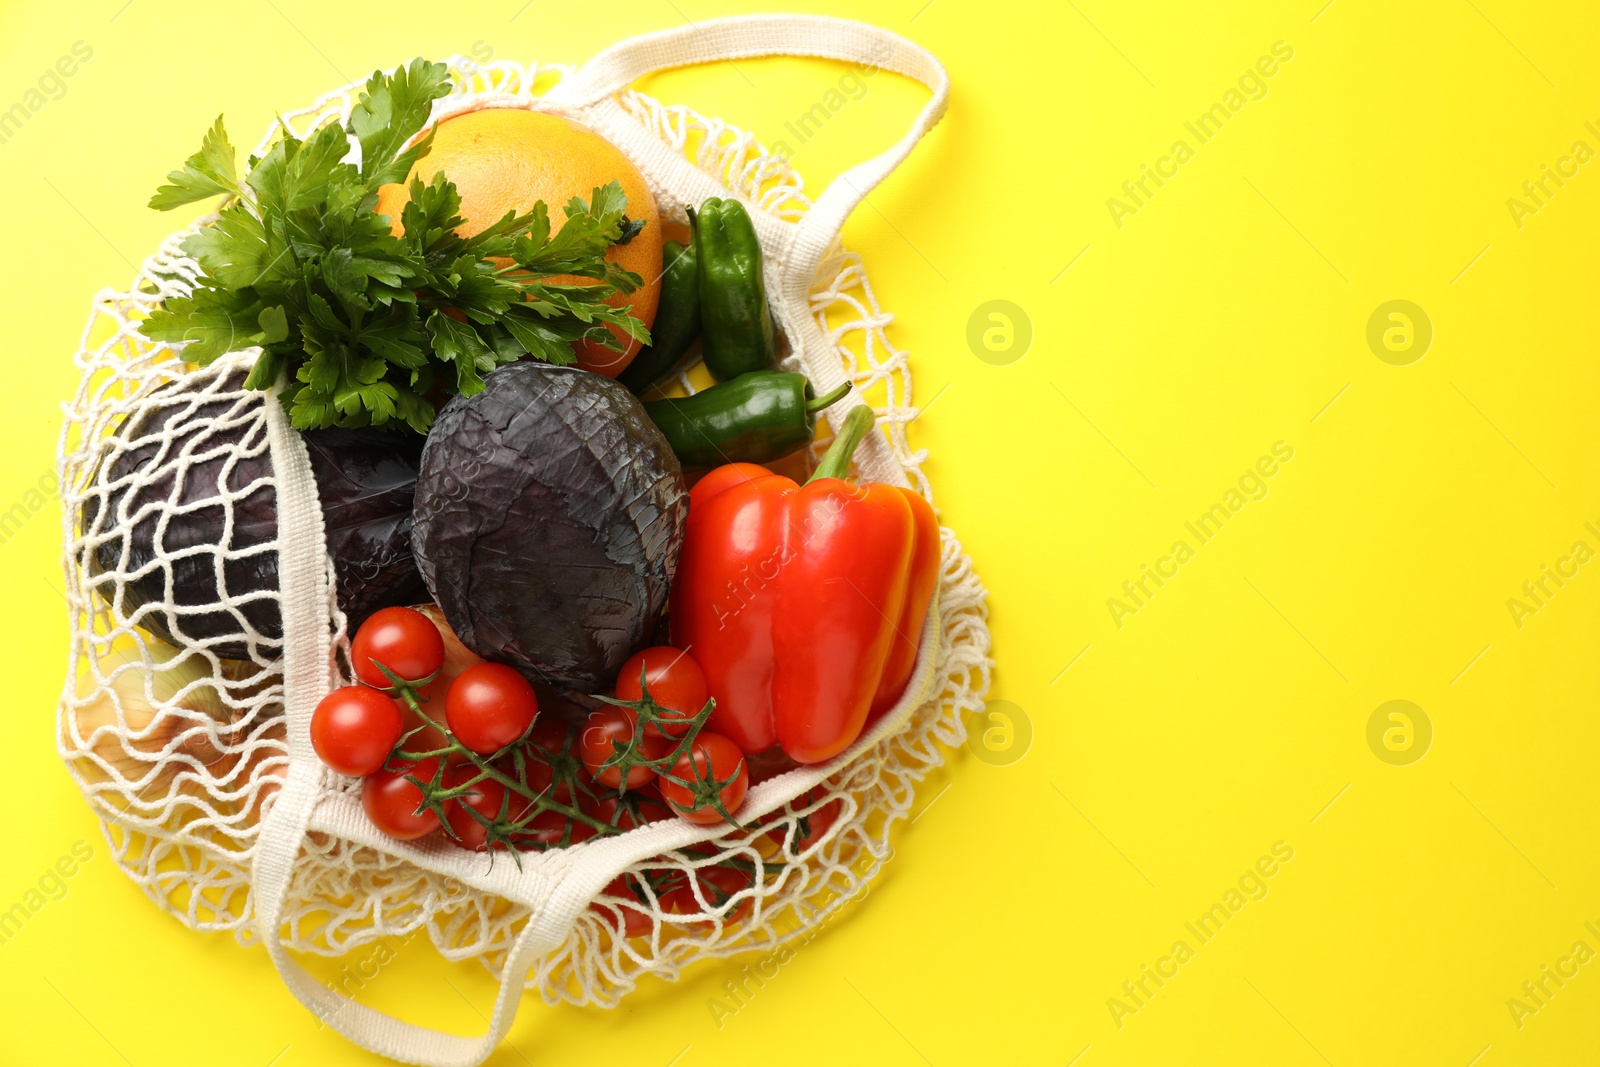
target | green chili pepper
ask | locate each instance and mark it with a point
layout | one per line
(677, 318)
(738, 334)
(754, 418)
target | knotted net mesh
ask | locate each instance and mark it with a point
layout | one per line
(172, 718)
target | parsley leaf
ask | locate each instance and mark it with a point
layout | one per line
(363, 326)
(392, 110)
(207, 173)
(208, 323)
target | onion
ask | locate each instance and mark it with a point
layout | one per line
(141, 718)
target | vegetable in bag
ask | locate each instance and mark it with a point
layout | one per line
(803, 603)
(549, 513)
(190, 483)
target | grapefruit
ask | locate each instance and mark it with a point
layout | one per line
(506, 159)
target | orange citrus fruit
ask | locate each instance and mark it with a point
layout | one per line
(506, 159)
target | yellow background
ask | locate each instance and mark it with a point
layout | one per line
(1228, 714)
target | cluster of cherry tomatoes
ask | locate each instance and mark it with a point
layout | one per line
(444, 739)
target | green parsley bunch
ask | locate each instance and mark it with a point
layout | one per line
(374, 328)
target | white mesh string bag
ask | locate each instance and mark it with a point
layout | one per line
(196, 756)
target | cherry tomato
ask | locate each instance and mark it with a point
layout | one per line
(549, 827)
(814, 825)
(489, 706)
(355, 728)
(427, 738)
(630, 813)
(402, 639)
(391, 802)
(544, 750)
(549, 735)
(541, 778)
(676, 683)
(713, 757)
(635, 922)
(646, 809)
(610, 726)
(718, 884)
(485, 798)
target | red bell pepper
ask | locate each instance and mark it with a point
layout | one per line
(804, 605)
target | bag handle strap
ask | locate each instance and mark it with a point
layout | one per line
(802, 247)
(378, 1032)
(748, 37)
(307, 644)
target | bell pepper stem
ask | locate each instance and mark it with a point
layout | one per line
(831, 396)
(836, 462)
